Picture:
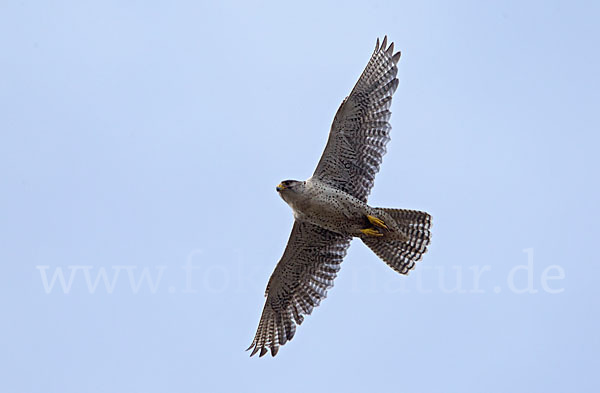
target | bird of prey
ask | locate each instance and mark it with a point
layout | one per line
(330, 208)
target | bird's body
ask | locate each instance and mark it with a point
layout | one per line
(331, 208)
(328, 207)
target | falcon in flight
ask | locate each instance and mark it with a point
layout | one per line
(330, 208)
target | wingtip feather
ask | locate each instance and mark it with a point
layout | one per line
(390, 50)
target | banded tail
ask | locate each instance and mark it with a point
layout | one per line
(401, 255)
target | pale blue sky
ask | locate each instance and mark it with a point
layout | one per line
(148, 136)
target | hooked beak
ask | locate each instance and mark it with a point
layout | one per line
(280, 187)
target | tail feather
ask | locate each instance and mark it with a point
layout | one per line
(402, 255)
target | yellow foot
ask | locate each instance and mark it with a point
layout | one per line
(371, 232)
(377, 222)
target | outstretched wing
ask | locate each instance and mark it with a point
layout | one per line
(360, 129)
(300, 281)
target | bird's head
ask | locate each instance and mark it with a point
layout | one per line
(290, 189)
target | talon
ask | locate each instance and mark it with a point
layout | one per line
(377, 222)
(371, 232)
